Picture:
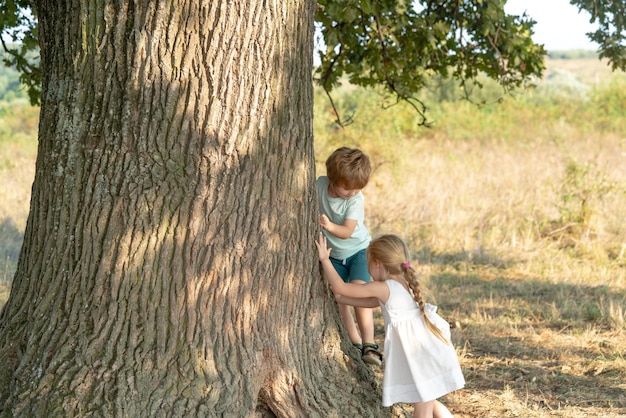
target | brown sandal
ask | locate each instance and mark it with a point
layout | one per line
(371, 355)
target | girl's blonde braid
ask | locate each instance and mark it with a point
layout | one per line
(411, 278)
(394, 254)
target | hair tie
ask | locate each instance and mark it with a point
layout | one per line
(406, 265)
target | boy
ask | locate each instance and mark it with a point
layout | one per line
(342, 214)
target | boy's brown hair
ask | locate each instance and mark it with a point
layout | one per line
(348, 168)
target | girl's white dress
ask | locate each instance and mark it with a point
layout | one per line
(419, 367)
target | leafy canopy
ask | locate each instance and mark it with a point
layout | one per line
(18, 31)
(397, 44)
(400, 44)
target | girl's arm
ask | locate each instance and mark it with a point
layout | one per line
(378, 290)
(358, 302)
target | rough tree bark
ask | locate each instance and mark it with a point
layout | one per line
(168, 265)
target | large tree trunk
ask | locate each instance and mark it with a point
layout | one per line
(168, 266)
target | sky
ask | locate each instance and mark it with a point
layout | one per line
(559, 26)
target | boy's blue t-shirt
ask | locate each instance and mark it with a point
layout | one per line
(338, 210)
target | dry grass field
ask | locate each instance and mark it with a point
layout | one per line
(18, 150)
(539, 305)
(519, 230)
(517, 222)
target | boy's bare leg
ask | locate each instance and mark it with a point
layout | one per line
(348, 321)
(365, 319)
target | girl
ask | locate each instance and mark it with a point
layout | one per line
(421, 363)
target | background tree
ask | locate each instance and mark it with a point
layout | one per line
(400, 45)
(18, 25)
(167, 265)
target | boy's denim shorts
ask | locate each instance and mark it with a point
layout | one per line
(352, 268)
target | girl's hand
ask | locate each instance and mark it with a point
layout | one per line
(323, 253)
